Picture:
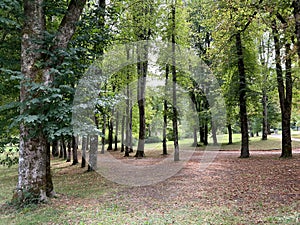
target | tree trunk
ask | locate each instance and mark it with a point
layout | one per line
(122, 133)
(49, 184)
(296, 5)
(265, 116)
(141, 98)
(55, 152)
(229, 128)
(93, 153)
(174, 79)
(69, 151)
(165, 123)
(103, 134)
(117, 131)
(74, 150)
(285, 92)
(110, 132)
(214, 133)
(64, 150)
(61, 152)
(83, 151)
(205, 140)
(242, 98)
(34, 155)
(141, 106)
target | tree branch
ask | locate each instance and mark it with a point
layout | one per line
(68, 24)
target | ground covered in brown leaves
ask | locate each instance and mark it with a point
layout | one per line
(263, 189)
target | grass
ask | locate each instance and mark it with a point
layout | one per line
(88, 198)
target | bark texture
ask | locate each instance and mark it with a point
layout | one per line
(34, 178)
(242, 97)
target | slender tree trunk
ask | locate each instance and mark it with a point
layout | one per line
(64, 150)
(83, 151)
(141, 98)
(55, 150)
(242, 98)
(214, 133)
(103, 134)
(110, 133)
(122, 133)
(49, 184)
(69, 151)
(61, 152)
(205, 141)
(285, 93)
(141, 106)
(165, 124)
(117, 131)
(93, 153)
(265, 116)
(174, 79)
(74, 150)
(229, 128)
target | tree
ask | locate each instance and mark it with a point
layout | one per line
(34, 179)
(285, 88)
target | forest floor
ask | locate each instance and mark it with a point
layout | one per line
(263, 189)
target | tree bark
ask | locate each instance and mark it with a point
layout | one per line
(265, 116)
(229, 128)
(242, 98)
(69, 151)
(214, 133)
(284, 91)
(296, 5)
(110, 132)
(55, 152)
(174, 79)
(83, 151)
(103, 133)
(117, 131)
(34, 176)
(93, 153)
(165, 117)
(122, 134)
(74, 150)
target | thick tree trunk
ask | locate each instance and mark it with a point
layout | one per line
(34, 175)
(242, 98)
(296, 5)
